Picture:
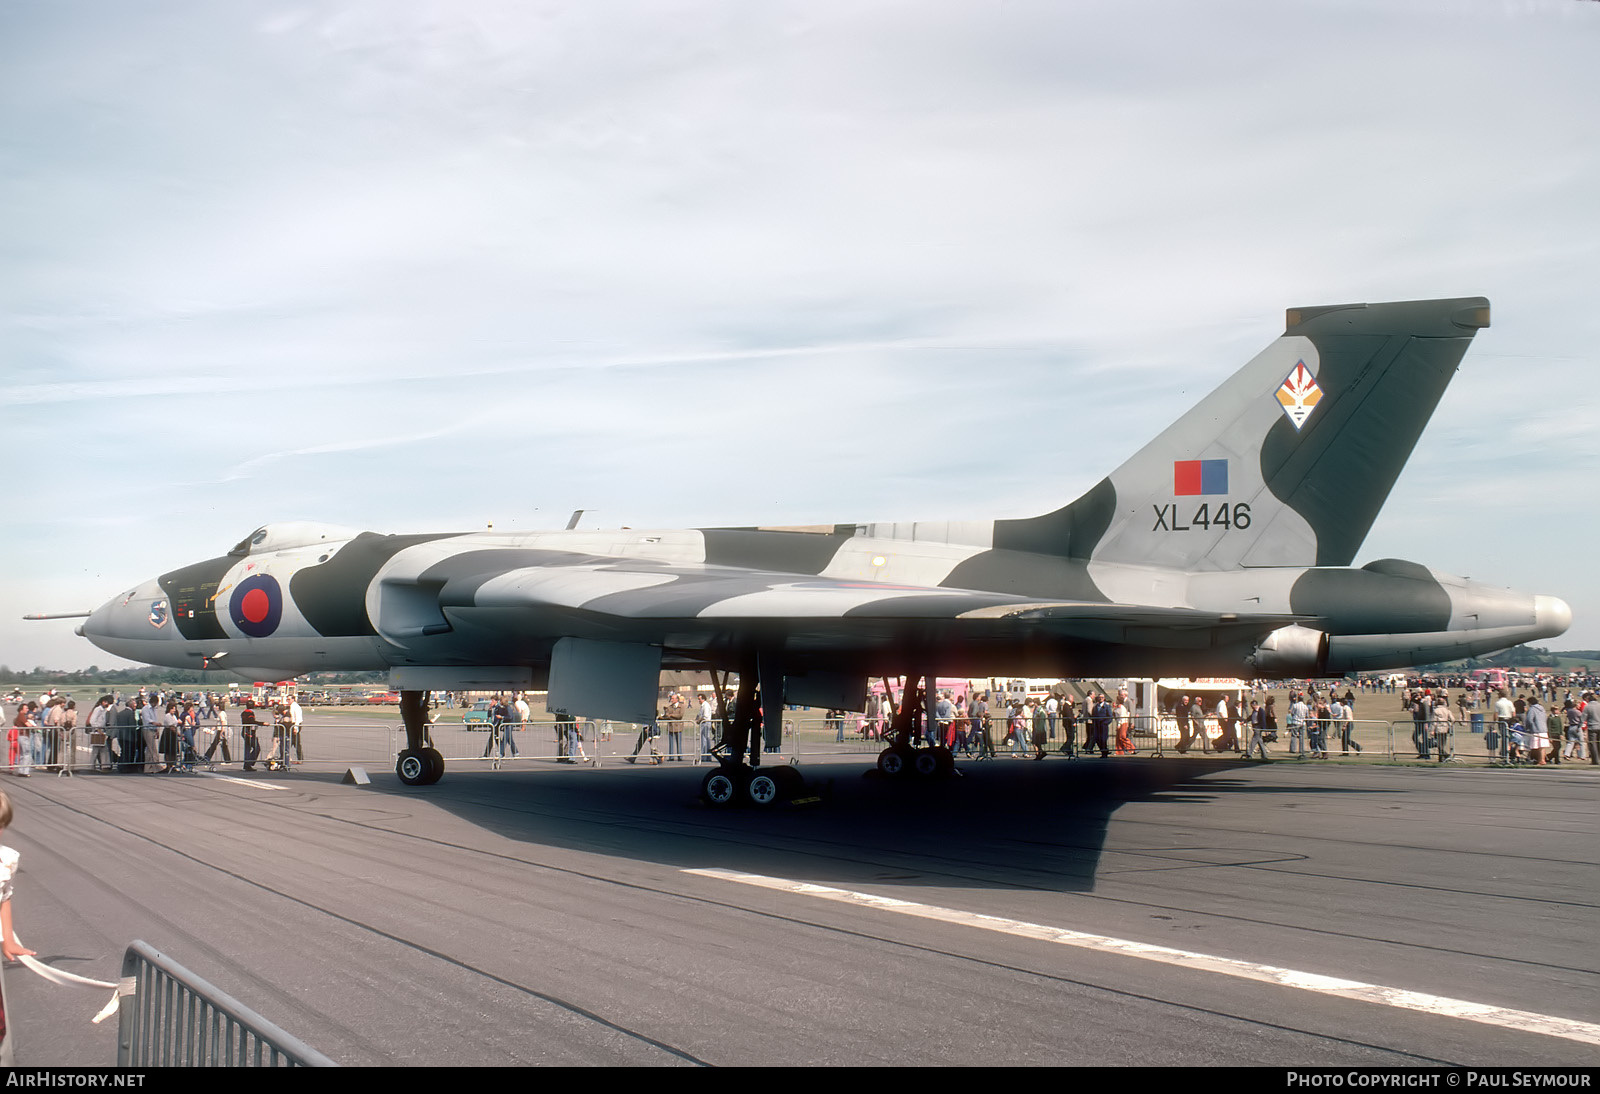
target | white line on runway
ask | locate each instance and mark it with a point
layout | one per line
(1567, 1028)
(241, 782)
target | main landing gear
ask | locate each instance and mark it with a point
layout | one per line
(733, 781)
(420, 763)
(903, 757)
(924, 763)
(761, 787)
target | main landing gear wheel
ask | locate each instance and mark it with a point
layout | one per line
(893, 761)
(924, 763)
(720, 788)
(419, 767)
(763, 789)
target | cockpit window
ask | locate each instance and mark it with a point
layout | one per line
(254, 539)
(288, 535)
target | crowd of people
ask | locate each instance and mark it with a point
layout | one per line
(1318, 722)
(152, 733)
(155, 732)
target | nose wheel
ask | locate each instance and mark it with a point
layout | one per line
(419, 766)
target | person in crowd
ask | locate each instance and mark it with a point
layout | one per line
(294, 718)
(249, 739)
(129, 738)
(706, 719)
(1572, 729)
(220, 734)
(575, 737)
(1258, 731)
(1335, 712)
(1505, 716)
(150, 717)
(647, 732)
(513, 723)
(170, 740)
(978, 731)
(1296, 725)
(1101, 719)
(69, 734)
(1225, 740)
(188, 727)
(1517, 736)
(1556, 722)
(671, 722)
(100, 734)
(497, 719)
(1421, 709)
(1443, 724)
(1591, 725)
(1536, 728)
(20, 754)
(47, 739)
(1317, 730)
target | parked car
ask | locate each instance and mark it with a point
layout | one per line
(479, 713)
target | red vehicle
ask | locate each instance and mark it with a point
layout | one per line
(390, 697)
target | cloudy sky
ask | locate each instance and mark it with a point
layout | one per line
(425, 266)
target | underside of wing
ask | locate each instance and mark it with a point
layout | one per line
(702, 614)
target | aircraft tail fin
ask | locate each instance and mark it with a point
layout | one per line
(1288, 462)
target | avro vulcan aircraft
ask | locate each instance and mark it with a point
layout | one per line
(1222, 548)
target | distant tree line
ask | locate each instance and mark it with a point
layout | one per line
(1520, 657)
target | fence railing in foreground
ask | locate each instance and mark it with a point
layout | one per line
(175, 1019)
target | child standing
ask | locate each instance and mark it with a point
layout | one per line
(9, 945)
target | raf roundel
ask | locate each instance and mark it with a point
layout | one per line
(257, 605)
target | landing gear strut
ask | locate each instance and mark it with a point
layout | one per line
(735, 782)
(420, 763)
(903, 757)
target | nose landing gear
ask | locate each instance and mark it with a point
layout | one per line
(420, 763)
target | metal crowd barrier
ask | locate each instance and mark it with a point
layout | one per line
(175, 1019)
(811, 734)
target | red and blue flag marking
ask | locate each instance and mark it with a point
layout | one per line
(1199, 477)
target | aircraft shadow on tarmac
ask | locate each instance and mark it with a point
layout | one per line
(1001, 824)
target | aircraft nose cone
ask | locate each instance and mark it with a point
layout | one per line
(96, 624)
(1551, 615)
(142, 615)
